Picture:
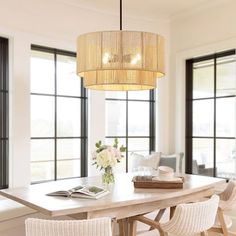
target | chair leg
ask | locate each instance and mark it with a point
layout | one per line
(149, 222)
(222, 222)
(158, 217)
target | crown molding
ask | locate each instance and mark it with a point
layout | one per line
(203, 7)
(163, 18)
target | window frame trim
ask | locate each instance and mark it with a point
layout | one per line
(4, 116)
(189, 107)
(83, 115)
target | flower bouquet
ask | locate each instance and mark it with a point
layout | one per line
(106, 157)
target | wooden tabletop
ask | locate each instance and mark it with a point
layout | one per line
(122, 194)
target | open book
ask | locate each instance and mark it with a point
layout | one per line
(91, 192)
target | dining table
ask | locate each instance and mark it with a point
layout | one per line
(123, 201)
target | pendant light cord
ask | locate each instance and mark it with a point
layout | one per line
(120, 14)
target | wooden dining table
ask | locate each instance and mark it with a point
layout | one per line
(122, 202)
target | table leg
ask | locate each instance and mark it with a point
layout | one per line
(123, 227)
(133, 228)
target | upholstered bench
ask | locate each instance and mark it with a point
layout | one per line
(12, 217)
(10, 209)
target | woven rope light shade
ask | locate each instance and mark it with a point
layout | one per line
(120, 60)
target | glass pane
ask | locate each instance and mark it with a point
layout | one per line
(68, 117)
(68, 149)
(114, 94)
(42, 171)
(68, 83)
(225, 158)
(68, 169)
(42, 72)
(226, 76)
(203, 156)
(140, 95)
(203, 117)
(203, 79)
(138, 118)
(225, 117)
(138, 144)
(42, 116)
(42, 150)
(115, 118)
(120, 167)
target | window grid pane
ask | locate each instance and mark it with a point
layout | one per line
(57, 137)
(129, 117)
(210, 109)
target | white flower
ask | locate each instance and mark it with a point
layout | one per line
(115, 152)
(106, 158)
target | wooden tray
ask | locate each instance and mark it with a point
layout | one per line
(149, 183)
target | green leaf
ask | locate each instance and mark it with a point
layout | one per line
(98, 144)
(116, 142)
(122, 148)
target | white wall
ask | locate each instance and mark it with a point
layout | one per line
(202, 32)
(55, 24)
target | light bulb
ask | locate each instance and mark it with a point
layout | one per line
(105, 58)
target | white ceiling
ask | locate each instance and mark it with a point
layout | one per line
(151, 9)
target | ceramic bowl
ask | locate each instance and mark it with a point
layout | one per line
(165, 172)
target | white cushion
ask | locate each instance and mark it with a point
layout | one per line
(150, 161)
(179, 160)
(10, 209)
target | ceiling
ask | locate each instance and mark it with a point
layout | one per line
(151, 9)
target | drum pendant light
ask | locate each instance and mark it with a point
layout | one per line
(120, 60)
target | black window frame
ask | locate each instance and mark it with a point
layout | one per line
(189, 108)
(4, 113)
(84, 115)
(152, 122)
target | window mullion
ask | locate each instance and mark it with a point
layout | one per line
(55, 118)
(127, 131)
(4, 107)
(84, 131)
(214, 131)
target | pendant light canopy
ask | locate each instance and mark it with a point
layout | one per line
(120, 60)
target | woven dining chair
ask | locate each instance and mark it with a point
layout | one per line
(188, 219)
(227, 202)
(93, 227)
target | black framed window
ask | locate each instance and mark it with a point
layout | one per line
(210, 115)
(4, 82)
(58, 116)
(130, 117)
